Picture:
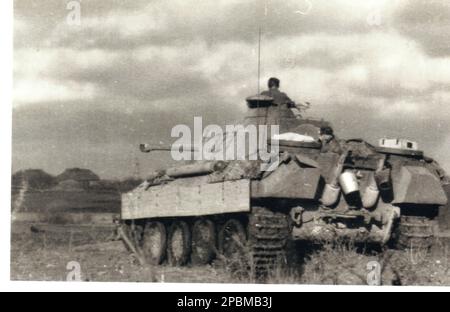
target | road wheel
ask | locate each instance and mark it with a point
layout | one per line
(232, 239)
(154, 243)
(203, 242)
(179, 246)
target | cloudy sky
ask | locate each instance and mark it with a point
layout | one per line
(86, 95)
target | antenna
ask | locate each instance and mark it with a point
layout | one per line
(259, 60)
(137, 168)
(266, 10)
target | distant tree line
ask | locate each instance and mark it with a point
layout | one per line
(34, 179)
(37, 179)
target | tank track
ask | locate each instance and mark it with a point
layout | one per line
(268, 238)
(415, 232)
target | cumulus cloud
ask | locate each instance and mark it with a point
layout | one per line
(178, 21)
(428, 22)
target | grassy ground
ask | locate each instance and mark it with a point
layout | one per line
(44, 256)
(344, 265)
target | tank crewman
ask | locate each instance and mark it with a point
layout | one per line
(279, 97)
(329, 141)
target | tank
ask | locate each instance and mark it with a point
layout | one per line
(322, 189)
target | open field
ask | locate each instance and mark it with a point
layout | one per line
(63, 218)
(44, 253)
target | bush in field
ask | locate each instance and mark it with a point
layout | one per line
(335, 264)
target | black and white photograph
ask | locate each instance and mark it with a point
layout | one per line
(250, 142)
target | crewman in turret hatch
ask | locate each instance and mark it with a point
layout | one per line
(279, 97)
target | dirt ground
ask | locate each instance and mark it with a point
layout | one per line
(46, 256)
(48, 253)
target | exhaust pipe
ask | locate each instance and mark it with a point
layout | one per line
(330, 195)
(349, 183)
(332, 191)
(371, 195)
(384, 181)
